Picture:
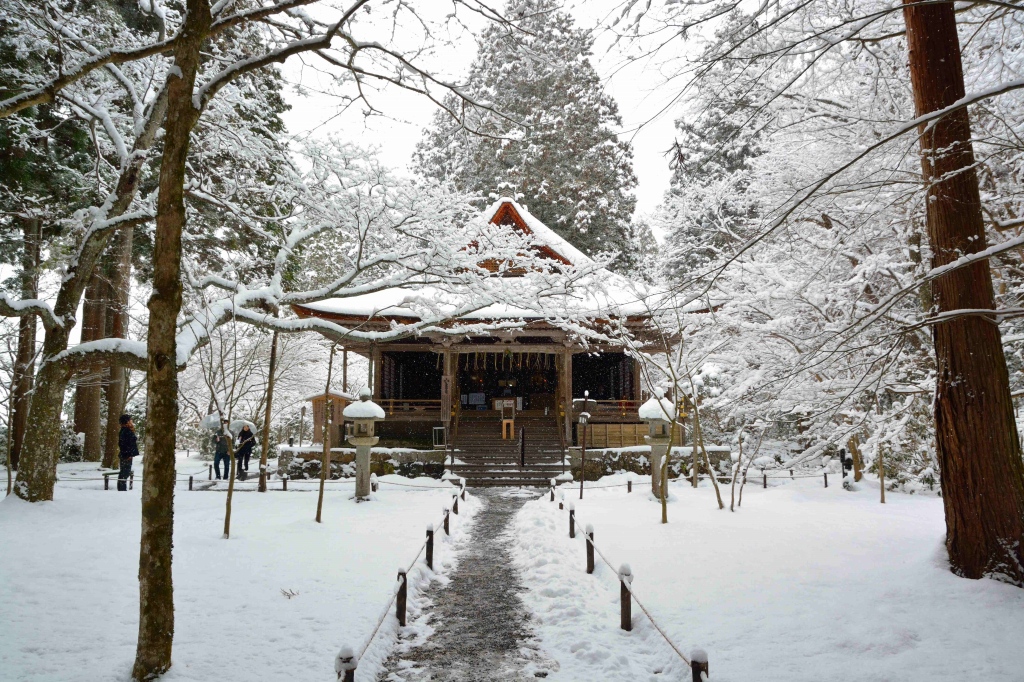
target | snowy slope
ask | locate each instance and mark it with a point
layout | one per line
(803, 583)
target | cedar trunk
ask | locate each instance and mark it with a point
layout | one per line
(25, 363)
(156, 589)
(118, 271)
(90, 380)
(265, 445)
(977, 443)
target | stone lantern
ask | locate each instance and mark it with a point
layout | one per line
(363, 415)
(658, 412)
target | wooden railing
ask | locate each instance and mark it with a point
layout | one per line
(620, 408)
(405, 406)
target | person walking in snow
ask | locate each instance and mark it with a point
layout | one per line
(246, 440)
(222, 452)
(128, 447)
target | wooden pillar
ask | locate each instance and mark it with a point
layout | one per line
(637, 378)
(374, 378)
(565, 390)
(344, 370)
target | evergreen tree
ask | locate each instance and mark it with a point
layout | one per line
(548, 135)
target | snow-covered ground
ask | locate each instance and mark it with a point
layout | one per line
(803, 583)
(69, 589)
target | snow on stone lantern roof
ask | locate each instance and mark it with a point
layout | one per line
(364, 408)
(658, 407)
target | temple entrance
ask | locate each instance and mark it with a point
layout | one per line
(529, 378)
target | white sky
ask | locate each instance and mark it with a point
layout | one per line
(396, 135)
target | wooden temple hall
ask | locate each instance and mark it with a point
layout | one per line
(473, 386)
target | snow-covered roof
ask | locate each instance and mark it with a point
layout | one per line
(600, 293)
(333, 394)
(543, 234)
(657, 408)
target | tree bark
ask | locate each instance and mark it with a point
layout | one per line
(265, 445)
(156, 588)
(325, 464)
(118, 271)
(25, 363)
(977, 442)
(90, 380)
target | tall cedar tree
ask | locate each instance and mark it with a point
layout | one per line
(975, 431)
(549, 137)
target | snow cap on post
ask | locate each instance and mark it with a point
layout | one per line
(590, 529)
(345, 661)
(625, 573)
(699, 656)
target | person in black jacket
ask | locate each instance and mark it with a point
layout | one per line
(246, 440)
(222, 450)
(128, 447)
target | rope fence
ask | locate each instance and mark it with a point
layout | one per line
(347, 660)
(697, 661)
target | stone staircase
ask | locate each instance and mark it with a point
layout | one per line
(490, 461)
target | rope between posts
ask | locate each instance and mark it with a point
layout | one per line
(380, 621)
(629, 586)
(394, 595)
(409, 485)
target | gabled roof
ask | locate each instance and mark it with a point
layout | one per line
(506, 211)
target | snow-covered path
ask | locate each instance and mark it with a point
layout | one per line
(474, 625)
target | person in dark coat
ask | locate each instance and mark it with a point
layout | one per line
(222, 453)
(246, 440)
(128, 447)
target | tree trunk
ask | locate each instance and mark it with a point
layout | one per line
(25, 363)
(156, 589)
(858, 461)
(977, 442)
(119, 268)
(265, 445)
(90, 380)
(325, 464)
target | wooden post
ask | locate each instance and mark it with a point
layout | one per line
(572, 520)
(131, 480)
(403, 592)
(345, 664)
(447, 525)
(790, 474)
(561, 500)
(629, 486)
(552, 490)
(626, 598)
(462, 482)
(699, 665)
(190, 483)
(590, 548)
(455, 503)
(106, 482)
(430, 546)
(209, 475)
(826, 479)
(284, 482)
(764, 476)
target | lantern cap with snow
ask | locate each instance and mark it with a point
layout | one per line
(658, 412)
(363, 414)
